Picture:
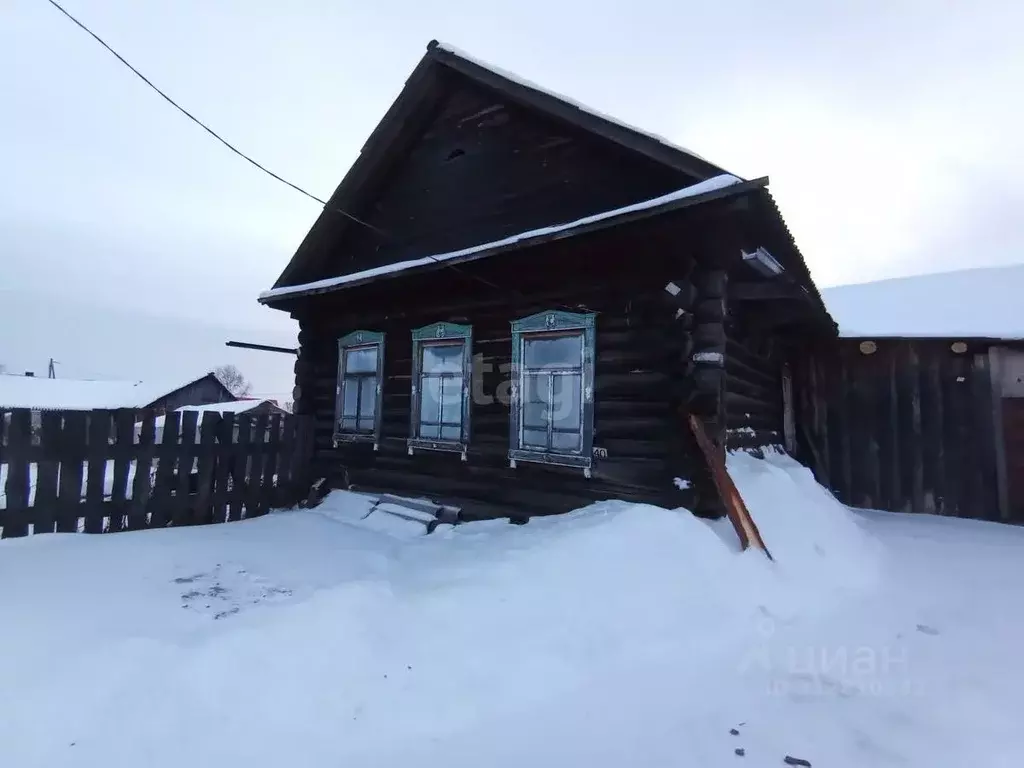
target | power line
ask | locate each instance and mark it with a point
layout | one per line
(241, 154)
(207, 128)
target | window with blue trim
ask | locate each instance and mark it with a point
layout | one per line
(359, 391)
(442, 368)
(552, 405)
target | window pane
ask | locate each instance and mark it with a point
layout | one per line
(430, 399)
(535, 415)
(535, 388)
(442, 358)
(361, 360)
(451, 433)
(565, 403)
(554, 351)
(429, 431)
(350, 397)
(366, 425)
(451, 400)
(368, 396)
(565, 441)
(348, 425)
(535, 438)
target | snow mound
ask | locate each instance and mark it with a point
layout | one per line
(618, 634)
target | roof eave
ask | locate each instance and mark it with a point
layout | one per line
(734, 190)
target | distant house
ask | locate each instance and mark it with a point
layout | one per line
(920, 405)
(249, 407)
(525, 300)
(41, 394)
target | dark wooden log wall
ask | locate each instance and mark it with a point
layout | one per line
(481, 169)
(909, 428)
(642, 345)
(753, 383)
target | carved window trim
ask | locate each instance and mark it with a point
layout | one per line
(446, 334)
(359, 340)
(553, 323)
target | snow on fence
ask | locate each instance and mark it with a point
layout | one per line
(107, 471)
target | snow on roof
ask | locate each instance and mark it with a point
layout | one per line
(565, 99)
(710, 185)
(972, 303)
(45, 394)
(235, 406)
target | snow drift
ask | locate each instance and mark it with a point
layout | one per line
(618, 634)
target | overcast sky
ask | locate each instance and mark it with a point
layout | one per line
(890, 130)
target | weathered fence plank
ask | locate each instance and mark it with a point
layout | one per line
(18, 486)
(239, 463)
(47, 471)
(258, 452)
(124, 454)
(93, 471)
(167, 457)
(181, 507)
(205, 460)
(97, 449)
(145, 449)
(268, 492)
(222, 467)
(71, 450)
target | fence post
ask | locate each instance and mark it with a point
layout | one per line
(142, 485)
(18, 487)
(96, 449)
(71, 449)
(45, 504)
(239, 469)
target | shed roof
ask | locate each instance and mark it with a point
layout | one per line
(967, 304)
(44, 394)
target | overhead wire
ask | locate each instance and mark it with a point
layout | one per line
(260, 166)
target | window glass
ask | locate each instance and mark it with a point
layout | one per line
(535, 438)
(566, 406)
(451, 433)
(451, 401)
(554, 351)
(361, 360)
(430, 399)
(442, 358)
(535, 388)
(565, 441)
(349, 424)
(368, 397)
(535, 415)
(350, 397)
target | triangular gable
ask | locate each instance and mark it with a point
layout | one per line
(423, 95)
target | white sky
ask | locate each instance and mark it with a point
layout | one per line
(890, 130)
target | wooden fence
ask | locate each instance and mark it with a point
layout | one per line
(108, 471)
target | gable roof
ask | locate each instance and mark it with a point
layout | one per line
(409, 110)
(43, 394)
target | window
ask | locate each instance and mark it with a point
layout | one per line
(552, 408)
(441, 369)
(360, 368)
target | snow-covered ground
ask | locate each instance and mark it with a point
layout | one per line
(616, 635)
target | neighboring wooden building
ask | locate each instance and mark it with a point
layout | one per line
(39, 394)
(510, 304)
(920, 407)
